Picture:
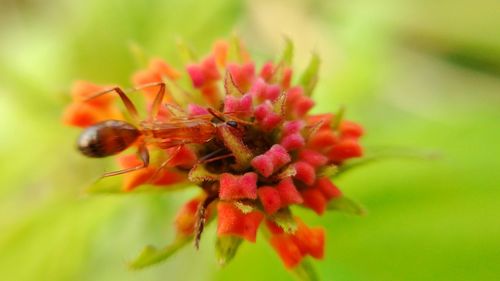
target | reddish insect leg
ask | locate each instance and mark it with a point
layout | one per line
(211, 157)
(126, 101)
(158, 98)
(143, 154)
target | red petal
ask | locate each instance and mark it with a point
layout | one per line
(242, 75)
(279, 156)
(345, 149)
(288, 251)
(83, 114)
(328, 189)
(238, 187)
(128, 161)
(186, 217)
(317, 243)
(315, 200)
(292, 127)
(147, 76)
(134, 179)
(194, 110)
(350, 129)
(312, 157)
(220, 51)
(184, 157)
(274, 228)
(310, 241)
(287, 78)
(270, 199)
(82, 90)
(272, 92)
(293, 141)
(267, 71)
(322, 139)
(266, 117)
(197, 75)
(273, 159)
(288, 192)
(325, 119)
(305, 172)
(303, 105)
(211, 93)
(263, 164)
(241, 106)
(210, 70)
(233, 222)
(161, 68)
(80, 115)
(168, 177)
(293, 95)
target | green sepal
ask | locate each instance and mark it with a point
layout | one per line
(287, 55)
(284, 219)
(328, 171)
(346, 205)
(309, 78)
(235, 144)
(237, 50)
(279, 106)
(151, 255)
(337, 119)
(305, 271)
(226, 248)
(288, 171)
(199, 174)
(387, 153)
(138, 54)
(244, 207)
(285, 61)
(186, 51)
(312, 129)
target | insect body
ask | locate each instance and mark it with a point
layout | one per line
(111, 137)
(168, 134)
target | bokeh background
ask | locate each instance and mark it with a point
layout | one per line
(417, 73)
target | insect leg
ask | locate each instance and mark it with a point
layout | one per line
(143, 154)
(222, 116)
(201, 218)
(220, 157)
(158, 98)
(162, 166)
(211, 157)
(126, 101)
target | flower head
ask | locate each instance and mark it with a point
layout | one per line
(246, 136)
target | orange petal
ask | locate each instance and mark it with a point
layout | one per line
(220, 51)
(186, 217)
(233, 222)
(83, 90)
(162, 69)
(288, 251)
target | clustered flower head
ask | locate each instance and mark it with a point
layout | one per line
(274, 156)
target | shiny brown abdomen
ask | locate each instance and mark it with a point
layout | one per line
(107, 138)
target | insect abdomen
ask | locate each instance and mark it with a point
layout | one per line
(107, 138)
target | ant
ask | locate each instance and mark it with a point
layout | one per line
(111, 137)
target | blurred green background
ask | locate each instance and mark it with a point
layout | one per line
(416, 73)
